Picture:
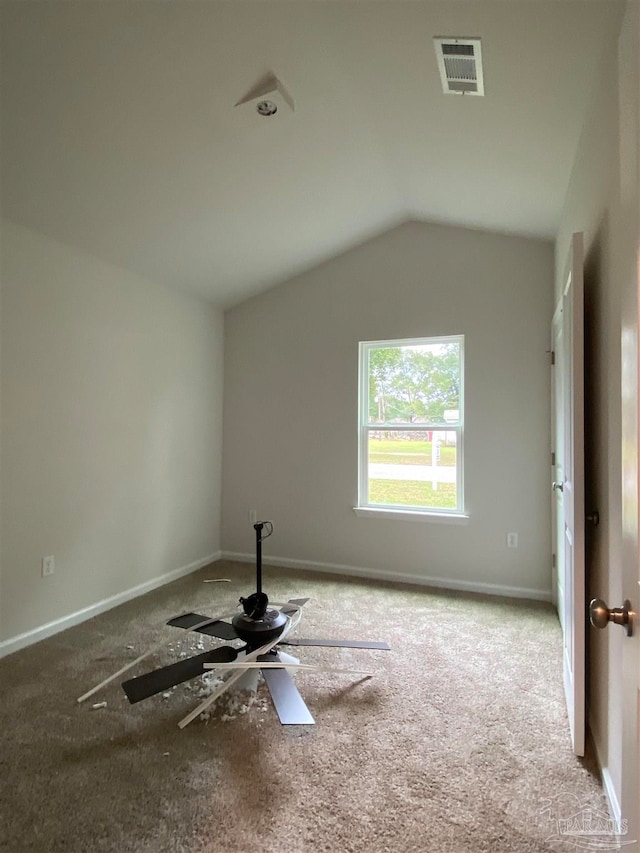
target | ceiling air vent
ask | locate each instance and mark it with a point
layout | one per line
(460, 66)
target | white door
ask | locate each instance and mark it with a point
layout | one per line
(629, 585)
(629, 644)
(568, 485)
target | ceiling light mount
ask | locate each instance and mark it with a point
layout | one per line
(269, 97)
(266, 108)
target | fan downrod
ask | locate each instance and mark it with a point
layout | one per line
(258, 625)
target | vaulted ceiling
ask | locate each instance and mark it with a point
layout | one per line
(120, 135)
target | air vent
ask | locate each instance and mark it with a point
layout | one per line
(460, 66)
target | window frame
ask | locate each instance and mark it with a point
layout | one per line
(365, 507)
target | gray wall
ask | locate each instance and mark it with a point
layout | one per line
(602, 201)
(111, 433)
(290, 422)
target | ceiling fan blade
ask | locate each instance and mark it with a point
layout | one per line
(213, 627)
(288, 702)
(346, 644)
(289, 611)
(166, 677)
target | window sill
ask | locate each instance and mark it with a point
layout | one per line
(409, 515)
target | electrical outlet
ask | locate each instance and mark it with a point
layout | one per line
(48, 566)
(512, 540)
(253, 516)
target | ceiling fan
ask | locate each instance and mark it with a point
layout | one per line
(264, 631)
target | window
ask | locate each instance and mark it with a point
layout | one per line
(411, 425)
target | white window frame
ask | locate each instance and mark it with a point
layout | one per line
(365, 508)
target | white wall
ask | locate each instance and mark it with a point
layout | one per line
(111, 431)
(290, 424)
(602, 201)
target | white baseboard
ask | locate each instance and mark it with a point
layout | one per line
(615, 811)
(612, 798)
(377, 574)
(21, 641)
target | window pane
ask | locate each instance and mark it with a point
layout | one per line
(413, 468)
(415, 384)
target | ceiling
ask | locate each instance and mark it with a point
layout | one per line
(120, 135)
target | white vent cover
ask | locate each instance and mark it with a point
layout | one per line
(460, 65)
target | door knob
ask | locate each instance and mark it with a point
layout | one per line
(558, 487)
(600, 615)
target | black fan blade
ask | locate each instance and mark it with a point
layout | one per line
(346, 644)
(213, 627)
(287, 700)
(289, 611)
(166, 677)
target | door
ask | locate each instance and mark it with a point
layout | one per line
(628, 587)
(568, 486)
(629, 640)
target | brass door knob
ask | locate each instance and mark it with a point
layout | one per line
(600, 615)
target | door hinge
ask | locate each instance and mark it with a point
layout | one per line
(553, 458)
(553, 357)
(553, 561)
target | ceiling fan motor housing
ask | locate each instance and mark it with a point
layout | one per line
(259, 632)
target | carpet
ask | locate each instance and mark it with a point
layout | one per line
(460, 741)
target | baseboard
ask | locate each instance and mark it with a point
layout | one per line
(21, 641)
(612, 799)
(615, 811)
(377, 574)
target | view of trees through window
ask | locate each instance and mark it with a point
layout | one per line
(414, 383)
(413, 424)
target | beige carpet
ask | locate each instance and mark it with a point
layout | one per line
(458, 743)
